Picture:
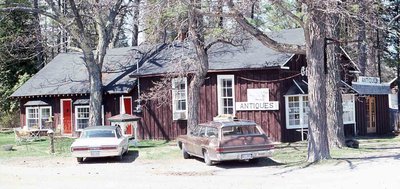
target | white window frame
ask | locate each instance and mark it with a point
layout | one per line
(303, 124)
(352, 111)
(174, 90)
(76, 116)
(39, 118)
(219, 93)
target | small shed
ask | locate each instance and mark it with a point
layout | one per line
(372, 108)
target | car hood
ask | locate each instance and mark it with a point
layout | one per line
(93, 142)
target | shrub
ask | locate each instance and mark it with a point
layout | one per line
(9, 119)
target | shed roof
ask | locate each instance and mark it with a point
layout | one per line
(67, 74)
(252, 55)
(371, 89)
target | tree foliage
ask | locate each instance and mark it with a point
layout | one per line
(17, 51)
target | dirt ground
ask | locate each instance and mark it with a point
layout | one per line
(374, 171)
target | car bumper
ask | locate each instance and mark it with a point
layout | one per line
(96, 153)
(242, 155)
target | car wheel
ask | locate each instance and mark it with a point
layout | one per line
(184, 152)
(79, 159)
(207, 159)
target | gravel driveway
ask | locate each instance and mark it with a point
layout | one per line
(380, 171)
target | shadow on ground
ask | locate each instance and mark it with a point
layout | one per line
(127, 158)
(261, 162)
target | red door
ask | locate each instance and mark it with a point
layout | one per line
(128, 110)
(66, 113)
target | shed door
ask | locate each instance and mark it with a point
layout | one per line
(128, 110)
(66, 114)
(371, 114)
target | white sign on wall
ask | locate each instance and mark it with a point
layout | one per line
(393, 101)
(244, 106)
(257, 99)
(258, 95)
(368, 80)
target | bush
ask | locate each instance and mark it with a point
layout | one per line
(9, 119)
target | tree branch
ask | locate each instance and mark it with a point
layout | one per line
(278, 3)
(31, 10)
(261, 36)
(220, 41)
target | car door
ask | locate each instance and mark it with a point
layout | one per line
(190, 140)
(199, 141)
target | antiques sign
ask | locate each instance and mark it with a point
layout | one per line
(257, 99)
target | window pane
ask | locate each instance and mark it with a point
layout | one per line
(82, 117)
(179, 94)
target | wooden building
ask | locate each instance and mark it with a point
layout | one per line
(250, 82)
(57, 97)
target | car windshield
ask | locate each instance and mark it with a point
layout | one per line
(98, 134)
(240, 130)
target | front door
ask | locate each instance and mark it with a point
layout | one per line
(66, 115)
(371, 114)
(128, 110)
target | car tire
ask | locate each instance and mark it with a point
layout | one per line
(79, 159)
(185, 154)
(207, 159)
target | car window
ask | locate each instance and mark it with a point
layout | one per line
(196, 131)
(99, 134)
(211, 132)
(202, 131)
(240, 130)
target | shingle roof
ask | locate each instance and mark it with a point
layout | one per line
(253, 54)
(67, 74)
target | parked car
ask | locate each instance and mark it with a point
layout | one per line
(100, 141)
(226, 140)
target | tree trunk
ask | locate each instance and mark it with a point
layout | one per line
(371, 38)
(39, 39)
(96, 90)
(334, 103)
(201, 65)
(135, 24)
(362, 46)
(318, 148)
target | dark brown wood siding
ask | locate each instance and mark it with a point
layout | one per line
(382, 114)
(157, 120)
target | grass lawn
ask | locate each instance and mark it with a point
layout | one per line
(286, 154)
(147, 149)
(34, 148)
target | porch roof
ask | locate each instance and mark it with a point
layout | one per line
(36, 103)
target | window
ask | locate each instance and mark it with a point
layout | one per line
(226, 94)
(81, 117)
(38, 117)
(297, 111)
(179, 96)
(212, 132)
(348, 109)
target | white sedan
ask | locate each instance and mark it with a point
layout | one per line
(100, 141)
